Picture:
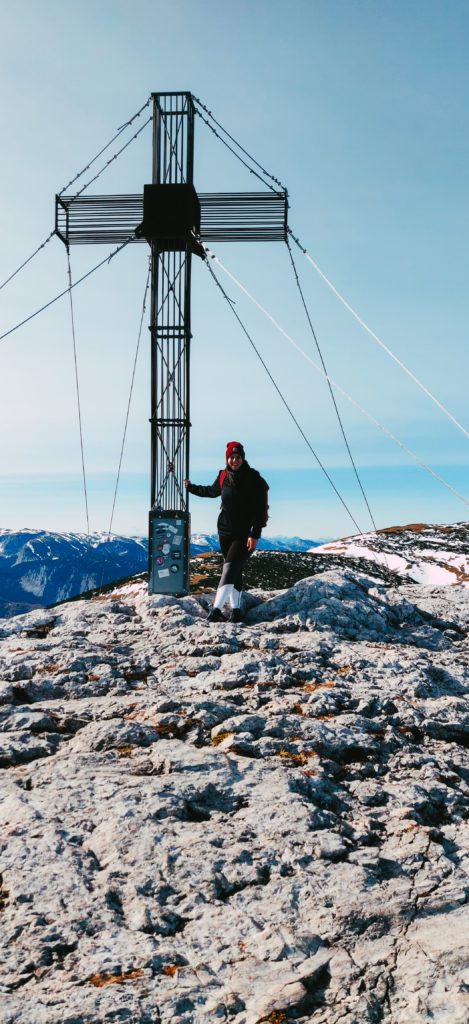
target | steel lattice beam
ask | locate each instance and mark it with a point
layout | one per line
(224, 217)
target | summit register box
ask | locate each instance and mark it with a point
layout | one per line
(169, 553)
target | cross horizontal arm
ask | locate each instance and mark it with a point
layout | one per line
(224, 217)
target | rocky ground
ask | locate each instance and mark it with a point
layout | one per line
(243, 824)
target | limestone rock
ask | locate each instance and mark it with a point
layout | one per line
(265, 822)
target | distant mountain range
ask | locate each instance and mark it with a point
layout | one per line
(202, 543)
(39, 568)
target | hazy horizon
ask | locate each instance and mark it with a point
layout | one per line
(298, 500)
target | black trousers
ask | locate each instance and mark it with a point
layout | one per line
(235, 554)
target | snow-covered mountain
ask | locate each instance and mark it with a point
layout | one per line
(40, 568)
(428, 554)
(265, 822)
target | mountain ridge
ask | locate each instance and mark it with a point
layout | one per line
(41, 567)
(428, 553)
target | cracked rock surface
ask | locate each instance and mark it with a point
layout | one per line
(255, 823)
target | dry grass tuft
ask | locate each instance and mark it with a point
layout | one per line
(221, 736)
(48, 669)
(312, 687)
(297, 758)
(103, 980)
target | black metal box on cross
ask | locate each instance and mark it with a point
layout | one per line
(171, 215)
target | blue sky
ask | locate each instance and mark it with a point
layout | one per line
(361, 109)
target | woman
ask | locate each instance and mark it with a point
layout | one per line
(243, 496)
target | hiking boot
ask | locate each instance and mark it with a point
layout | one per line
(236, 615)
(215, 616)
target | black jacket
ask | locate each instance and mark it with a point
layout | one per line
(242, 503)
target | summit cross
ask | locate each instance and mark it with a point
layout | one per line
(176, 222)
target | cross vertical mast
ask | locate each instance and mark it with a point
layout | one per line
(171, 205)
(170, 326)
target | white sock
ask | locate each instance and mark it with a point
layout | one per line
(235, 598)
(222, 595)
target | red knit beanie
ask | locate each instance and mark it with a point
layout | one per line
(234, 448)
